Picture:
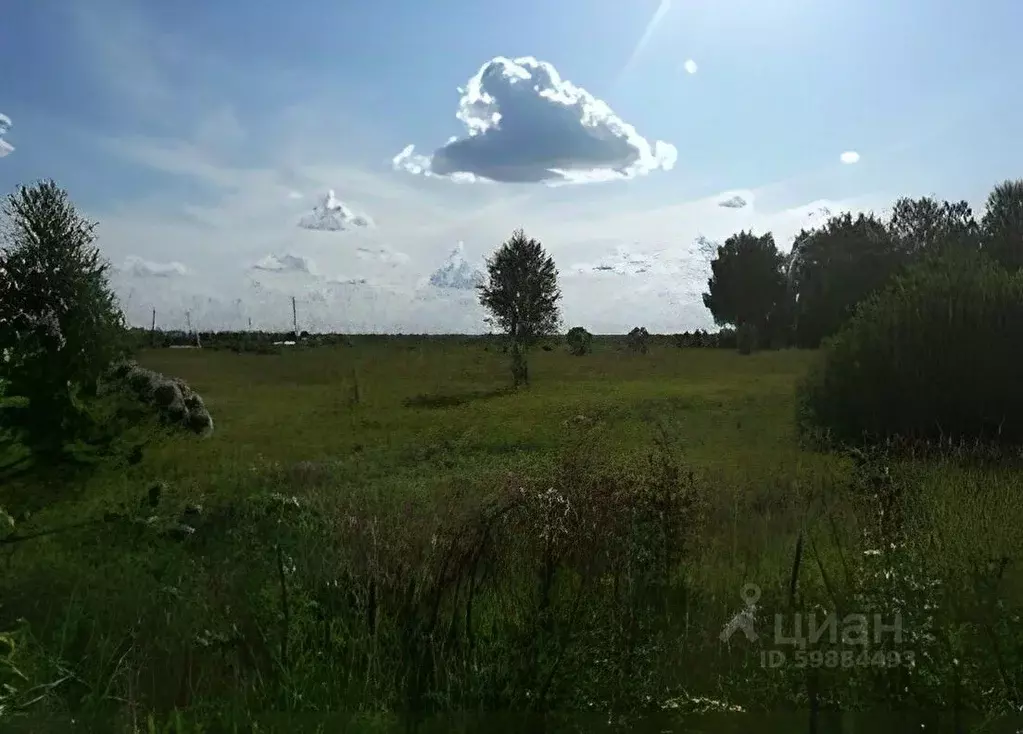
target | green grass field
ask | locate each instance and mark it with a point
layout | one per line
(399, 454)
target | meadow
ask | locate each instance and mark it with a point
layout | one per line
(385, 533)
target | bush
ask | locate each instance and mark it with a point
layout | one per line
(933, 356)
(639, 340)
(579, 340)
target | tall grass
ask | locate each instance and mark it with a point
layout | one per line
(565, 556)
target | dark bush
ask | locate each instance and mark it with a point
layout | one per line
(579, 340)
(638, 340)
(935, 355)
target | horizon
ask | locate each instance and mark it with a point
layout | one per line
(227, 182)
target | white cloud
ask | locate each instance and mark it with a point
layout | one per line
(5, 125)
(142, 268)
(690, 66)
(332, 215)
(733, 202)
(850, 156)
(294, 195)
(457, 272)
(526, 124)
(287, 263)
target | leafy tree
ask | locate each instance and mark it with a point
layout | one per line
(747, 286)
(1002, 224)
(60, 325)
(638, 339)
(920, 226)
(579, 340)
(835, 267)
(934, 355)
(521, 293)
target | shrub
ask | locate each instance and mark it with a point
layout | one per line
(579, 340)
(638, 340)
(933, 356)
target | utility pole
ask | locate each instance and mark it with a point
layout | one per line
(188, 318)
(152, 330)
(294, 317)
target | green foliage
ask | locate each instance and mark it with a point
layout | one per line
(476, 553)
(60, 325)
(933, 356)
(521, 294)
(926, 226)
(579, 340)
(747, 284)
(638, 340)
(1002, 224)
(834, 268)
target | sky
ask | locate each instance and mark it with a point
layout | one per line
(356, 155)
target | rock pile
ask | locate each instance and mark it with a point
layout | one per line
(176, 402)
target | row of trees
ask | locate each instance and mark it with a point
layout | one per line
(804, 297)
(61, 327)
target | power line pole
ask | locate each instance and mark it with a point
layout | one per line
(294, 317)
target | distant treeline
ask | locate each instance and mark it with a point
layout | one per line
(270, 342)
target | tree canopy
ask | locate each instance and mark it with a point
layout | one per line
(521, 294)
(747, 285)
(60, 324)
(1002, 224)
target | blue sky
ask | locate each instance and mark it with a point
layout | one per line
(202, 134)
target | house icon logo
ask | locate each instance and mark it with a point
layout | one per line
(745, 620)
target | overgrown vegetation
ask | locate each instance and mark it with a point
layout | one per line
(382, 534)
(933, 357)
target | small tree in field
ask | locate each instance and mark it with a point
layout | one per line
(60, 325)
(521, 293)
(579, 340)
(638, 339)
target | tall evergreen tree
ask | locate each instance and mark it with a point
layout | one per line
(60, 324)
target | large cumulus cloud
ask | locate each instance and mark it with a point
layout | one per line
(525, 124)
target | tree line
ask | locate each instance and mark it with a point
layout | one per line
(803, 297)
(61, 326)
